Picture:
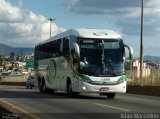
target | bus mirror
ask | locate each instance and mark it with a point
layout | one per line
(130, 51)
(77, 51)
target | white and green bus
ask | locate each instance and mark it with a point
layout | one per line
(82, 61)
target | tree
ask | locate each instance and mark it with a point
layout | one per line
(1, 57)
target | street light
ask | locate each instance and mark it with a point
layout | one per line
(51, 19)
(141, 45)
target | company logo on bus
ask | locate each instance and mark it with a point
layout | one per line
(105, 80)
(100, 34)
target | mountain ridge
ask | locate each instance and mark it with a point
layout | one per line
(6, 50)
(151, 58)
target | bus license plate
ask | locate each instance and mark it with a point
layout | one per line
(104, 89)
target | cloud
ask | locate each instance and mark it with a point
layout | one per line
(21, 27)
(101, 6)
(9, 13)
(126, 15)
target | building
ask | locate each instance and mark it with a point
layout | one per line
(133, 68)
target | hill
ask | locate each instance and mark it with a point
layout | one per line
(151, 58)
(6, 50)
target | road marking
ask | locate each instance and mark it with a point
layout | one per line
(117, 108)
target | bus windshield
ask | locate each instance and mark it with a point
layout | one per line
(102, 57)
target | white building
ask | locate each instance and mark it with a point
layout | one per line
(134, 67)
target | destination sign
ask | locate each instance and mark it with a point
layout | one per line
(88, 41)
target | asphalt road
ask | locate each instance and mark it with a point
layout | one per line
(59, 105)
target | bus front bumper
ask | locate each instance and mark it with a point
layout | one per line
(90, 88)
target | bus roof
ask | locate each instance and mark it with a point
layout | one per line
(86, 33)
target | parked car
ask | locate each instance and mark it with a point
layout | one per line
(30, 82)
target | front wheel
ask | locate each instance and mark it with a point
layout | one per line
(69, 89)
(44, 89)
(40, 86)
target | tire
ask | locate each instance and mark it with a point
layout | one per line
(69, 89)
(111, 95)
(40, 86)
(43, 87)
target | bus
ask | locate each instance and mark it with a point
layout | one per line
(82, 61)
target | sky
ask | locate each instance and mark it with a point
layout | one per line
(23, 23)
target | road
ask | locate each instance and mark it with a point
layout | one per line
(59, 105)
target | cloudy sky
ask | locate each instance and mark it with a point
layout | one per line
(24, 23)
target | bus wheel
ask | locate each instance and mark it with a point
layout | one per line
(69, 89)
(40, 86)
(111, 95)
(43, 87)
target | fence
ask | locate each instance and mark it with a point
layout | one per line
(151, 77)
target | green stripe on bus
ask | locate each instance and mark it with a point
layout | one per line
(124, 77)
(83, 76)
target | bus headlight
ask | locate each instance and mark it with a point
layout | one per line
(84, 88)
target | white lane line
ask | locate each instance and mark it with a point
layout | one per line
(117, 108)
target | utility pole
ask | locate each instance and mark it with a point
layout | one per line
(141, 44)
(51, 19)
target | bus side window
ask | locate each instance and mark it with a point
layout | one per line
(65, 47)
